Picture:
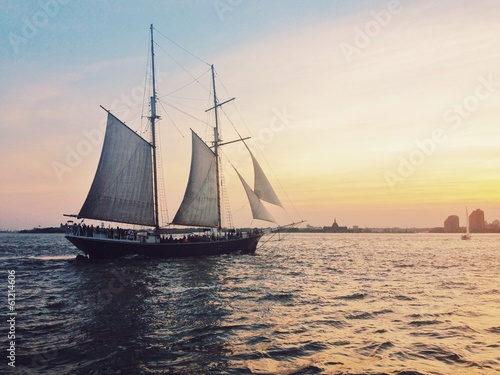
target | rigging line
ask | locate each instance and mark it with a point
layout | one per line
(285, 234)
(171, 119)
(146, 80)
(187, 114)
(140, 129)
(131, 117)
(188, 84)
(231, 122)
(234, 104)
(180, 65)
(224, 87)
(241, 208)
(184, 98)
(261, 244)
(185, 50)
(182, 104)
(127, 106)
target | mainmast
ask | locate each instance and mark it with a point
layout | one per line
(216, 146)
(216, 151)
(153, 131)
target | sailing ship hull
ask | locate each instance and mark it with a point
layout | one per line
(97, 248)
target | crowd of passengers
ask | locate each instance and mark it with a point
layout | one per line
(112, 233)
(129, 234)
(201, 238)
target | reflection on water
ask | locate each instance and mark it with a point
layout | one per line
(308, 304)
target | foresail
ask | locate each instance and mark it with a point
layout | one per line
(199, 206)
(122, 190)
(259, 211)
(262, 186)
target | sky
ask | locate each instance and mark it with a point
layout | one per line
(373, 113)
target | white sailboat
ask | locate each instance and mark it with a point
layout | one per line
(125, 190)
(466, 236)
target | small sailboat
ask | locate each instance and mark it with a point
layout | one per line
(125, 190)
(466, 236)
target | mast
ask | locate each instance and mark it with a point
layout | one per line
(216, 151)
(217, 144)
(466, 220)
(153, 131)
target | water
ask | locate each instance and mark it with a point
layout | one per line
(309, 304)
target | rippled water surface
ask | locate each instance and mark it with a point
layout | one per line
(308, 304)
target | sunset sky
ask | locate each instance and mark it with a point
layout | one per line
(376, 113)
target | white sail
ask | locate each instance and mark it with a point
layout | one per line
(199, 206)
(262, 186)
(467, 221)
(122, 190)
(259, 211)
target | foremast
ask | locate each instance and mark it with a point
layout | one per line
(153, 118)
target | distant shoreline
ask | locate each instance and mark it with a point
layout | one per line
(43, 230)
(393, 230)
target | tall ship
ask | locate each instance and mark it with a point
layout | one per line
(125, 190)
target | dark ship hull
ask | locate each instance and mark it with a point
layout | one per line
(99, 248)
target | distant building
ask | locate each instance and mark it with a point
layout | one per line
(335, 228)
(476, 221)
(452, 224)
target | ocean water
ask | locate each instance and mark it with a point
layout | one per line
(402, 304)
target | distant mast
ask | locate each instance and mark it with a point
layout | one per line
(153, 131)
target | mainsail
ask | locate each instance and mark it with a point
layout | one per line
(199, 206)
(122, 190)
